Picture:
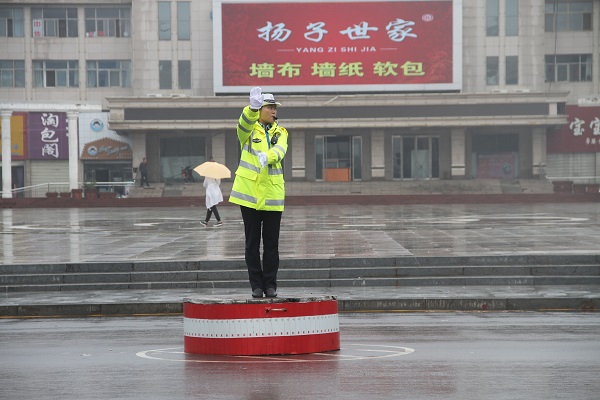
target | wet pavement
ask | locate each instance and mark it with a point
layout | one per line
(87, 235)
(81, 235)
(466, 356)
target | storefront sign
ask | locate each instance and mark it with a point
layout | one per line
(106, 149)
(339, 45)
(18, 135)
(581, 134)
(48, 139)
(97, 142)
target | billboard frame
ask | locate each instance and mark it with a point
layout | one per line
(454, 86)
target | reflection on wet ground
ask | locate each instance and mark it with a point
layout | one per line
(175, 234)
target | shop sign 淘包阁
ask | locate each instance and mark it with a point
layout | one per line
(47, 133)
(337, 45)
(581, 134)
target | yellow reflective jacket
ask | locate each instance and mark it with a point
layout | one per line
(256, 187)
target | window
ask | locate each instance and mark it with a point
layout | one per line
(492, 18)
(564, 15)
(113, 22)
(108, 73)
(12, 73)
(164, 20)
(55, 74)
(569, 68)
(183, 20)
(177, 152)
(512, 17)
(512, 70)
(164, 75)
(11, 22)
(491, 70)
(416, 157)
(54, 22)
(185, 74)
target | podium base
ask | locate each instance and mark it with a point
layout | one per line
(266, 326)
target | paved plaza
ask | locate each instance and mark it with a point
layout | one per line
(81, 235)
(117, 235)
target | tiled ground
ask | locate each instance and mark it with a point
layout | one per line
(174, 234)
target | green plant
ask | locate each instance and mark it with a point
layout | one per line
(89, 185)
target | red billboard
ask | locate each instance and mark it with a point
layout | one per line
(581, 134)
(337, 45)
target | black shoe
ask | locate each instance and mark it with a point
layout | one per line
(257, 293)
(271, 292)
(204, 223)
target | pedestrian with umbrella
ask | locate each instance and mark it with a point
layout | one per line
(212, 172)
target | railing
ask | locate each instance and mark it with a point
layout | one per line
(575, 184)
(575, 179)
(40, 190)
(121, 188)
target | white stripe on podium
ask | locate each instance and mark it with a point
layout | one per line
(261, 327)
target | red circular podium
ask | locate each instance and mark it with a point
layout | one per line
(264, 326)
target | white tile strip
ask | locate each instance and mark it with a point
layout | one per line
(261, 327)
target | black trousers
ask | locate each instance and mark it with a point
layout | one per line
(210, 211)
(143, 178)
(263, 224)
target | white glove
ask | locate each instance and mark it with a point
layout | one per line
(256, 98)
(262, 157)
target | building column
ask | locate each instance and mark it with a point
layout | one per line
(538, 151)
(138, 148)
(218, 148)
(457, 152)
(6, 155)
(72, 117)
(298, 158)
(378, 154)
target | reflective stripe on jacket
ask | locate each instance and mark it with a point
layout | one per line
(256, 187)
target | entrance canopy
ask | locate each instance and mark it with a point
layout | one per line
(149, 114)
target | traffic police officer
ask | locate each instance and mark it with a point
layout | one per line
(259, 189)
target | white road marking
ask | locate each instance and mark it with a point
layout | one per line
(344, 354)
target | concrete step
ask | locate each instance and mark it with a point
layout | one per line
(418, 263)
(385, 271)
(316, 283)
(122, 275)
(357, 282)
(350, 299)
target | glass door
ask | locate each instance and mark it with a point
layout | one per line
(338, 158)
(415, 157)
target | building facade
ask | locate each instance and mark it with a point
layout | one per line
(448, 89)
